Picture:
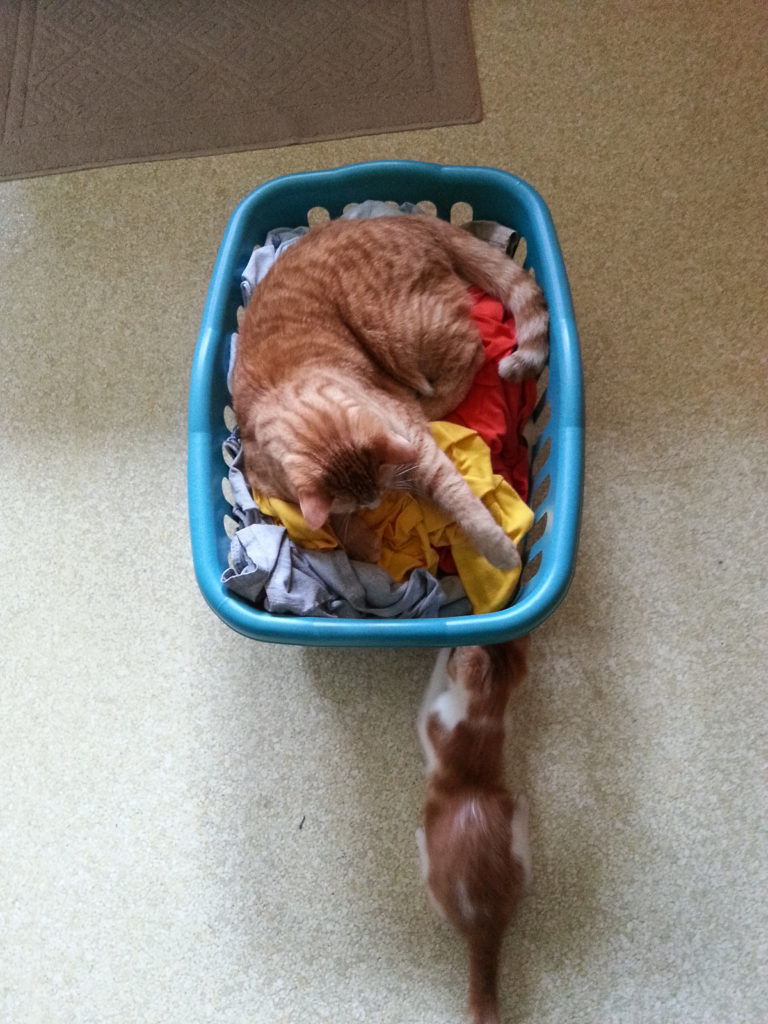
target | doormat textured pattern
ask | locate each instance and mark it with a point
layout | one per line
(85, 83)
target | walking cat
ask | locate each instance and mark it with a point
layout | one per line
(359, 335)
(474, 841)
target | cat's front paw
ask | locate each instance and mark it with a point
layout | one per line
(504, 556)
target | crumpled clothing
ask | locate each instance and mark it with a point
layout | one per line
(411, 530)
(244, 509)
(269, 570)
(263, 256)
(498, 409)
(377, 208)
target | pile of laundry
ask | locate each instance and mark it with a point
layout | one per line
(427, 567)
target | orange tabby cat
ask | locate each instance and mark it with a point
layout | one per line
(474, 843)
(356, 338)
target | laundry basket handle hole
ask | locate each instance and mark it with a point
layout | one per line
(540, 494)
(540, 456)
(530, 569)
(317, 215)
(461, 213)
(521, 252)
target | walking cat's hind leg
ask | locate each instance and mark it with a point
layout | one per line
(521, 849)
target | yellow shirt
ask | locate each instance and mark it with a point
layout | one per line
(410, 529)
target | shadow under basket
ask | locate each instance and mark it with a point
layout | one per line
(454, 193)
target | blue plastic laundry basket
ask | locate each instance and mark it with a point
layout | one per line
(557, 454)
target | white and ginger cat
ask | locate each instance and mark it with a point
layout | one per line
(356, 338)
(473, 844)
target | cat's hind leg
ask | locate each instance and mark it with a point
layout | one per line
(520, 845)
(421, 843)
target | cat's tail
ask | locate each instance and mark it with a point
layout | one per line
(484, 947)
(499, 276)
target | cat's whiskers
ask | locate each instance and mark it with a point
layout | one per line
(341, 527)
(403, 478)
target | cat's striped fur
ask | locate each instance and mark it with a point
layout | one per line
(358, 335)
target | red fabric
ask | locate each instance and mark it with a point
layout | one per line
(497, 409)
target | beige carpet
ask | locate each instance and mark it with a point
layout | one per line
(199, 829)
(84, 83)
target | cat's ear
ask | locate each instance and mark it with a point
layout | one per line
(315, 508)
(394, 450)
(510, 659)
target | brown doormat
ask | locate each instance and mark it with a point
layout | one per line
(85, 83)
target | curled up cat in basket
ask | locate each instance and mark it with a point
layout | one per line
(359, 335)
(473, 844)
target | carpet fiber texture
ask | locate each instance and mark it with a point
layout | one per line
(83, 84)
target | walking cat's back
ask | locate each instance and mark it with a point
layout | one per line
(473, 843)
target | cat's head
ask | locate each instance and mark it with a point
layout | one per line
(489, 673)
(345, 477)
(345, 463)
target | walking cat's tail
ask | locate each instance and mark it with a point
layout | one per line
(499, 276)
(484, 949)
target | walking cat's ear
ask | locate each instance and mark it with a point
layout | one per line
(509, 660)
(315, 507)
